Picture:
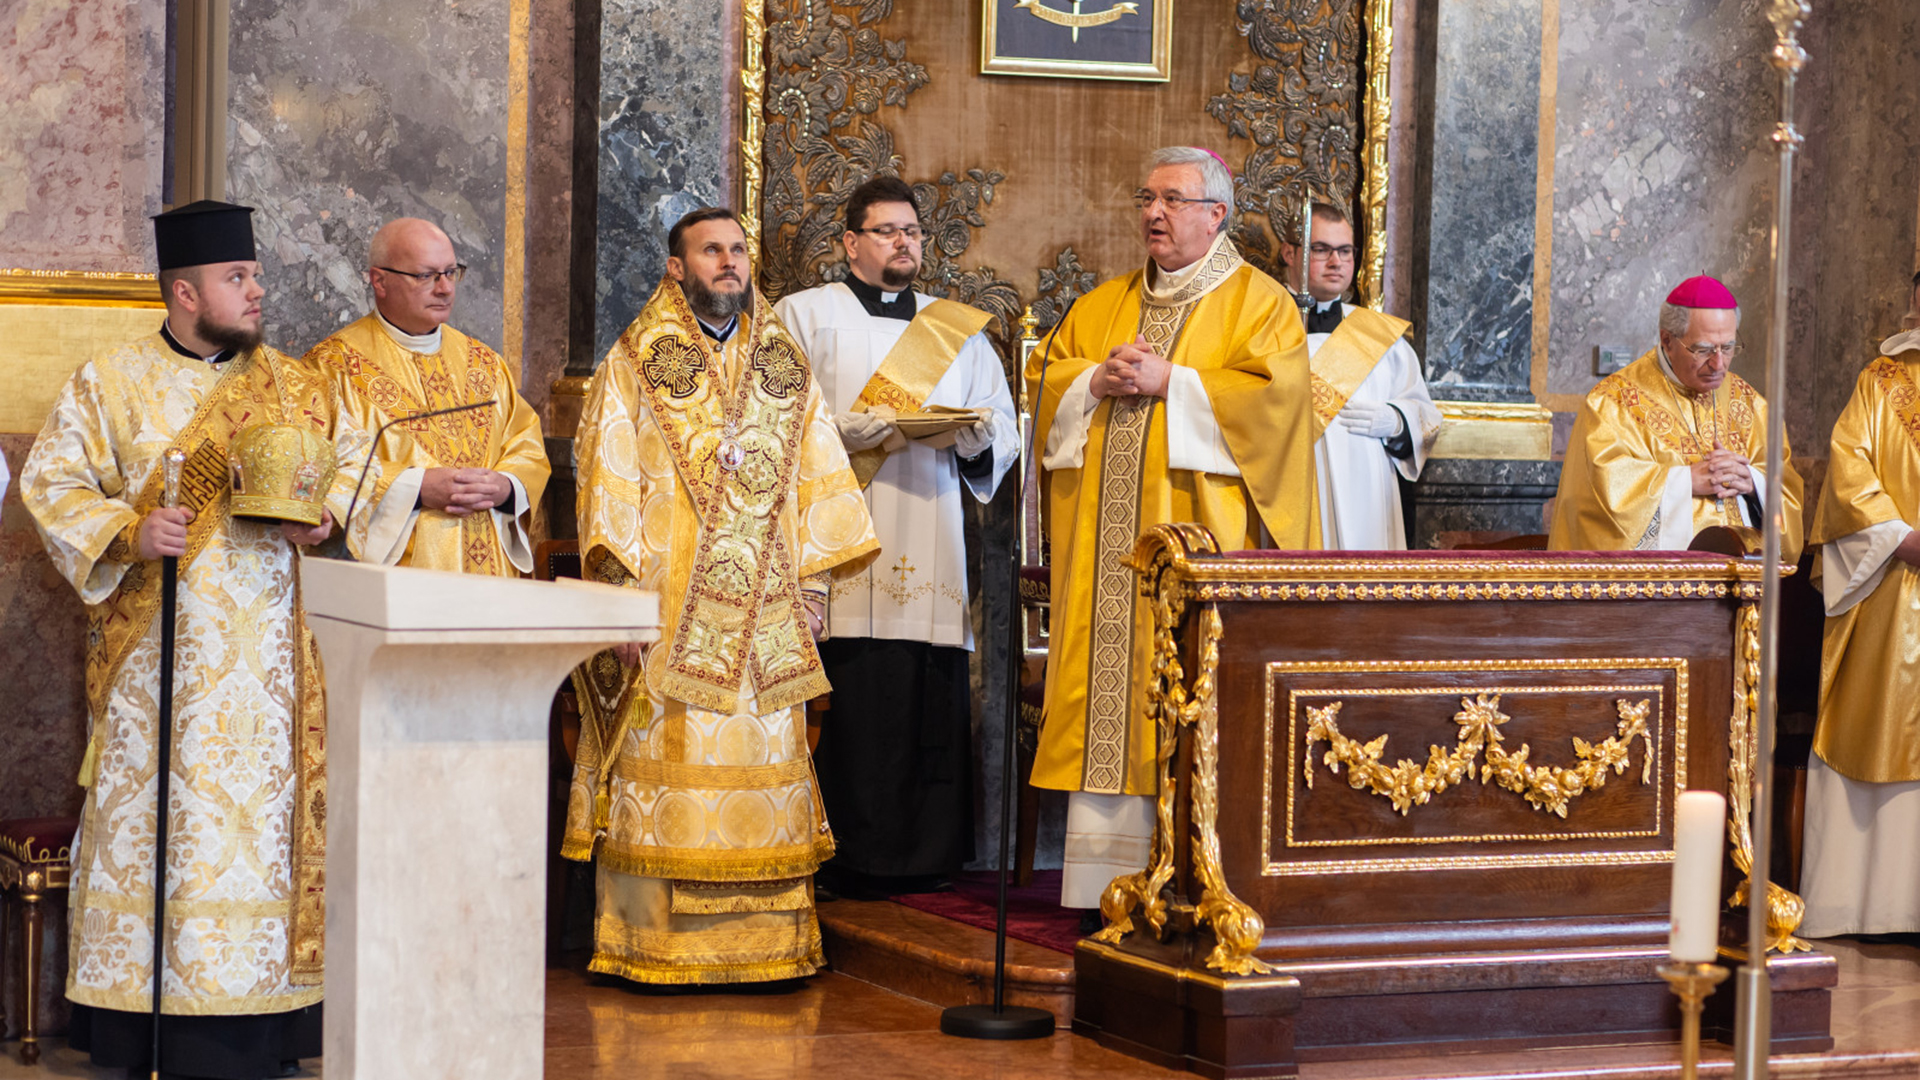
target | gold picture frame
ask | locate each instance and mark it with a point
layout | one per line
(85, 287)
(1037, 38)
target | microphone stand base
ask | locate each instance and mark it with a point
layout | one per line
(1005, 1023)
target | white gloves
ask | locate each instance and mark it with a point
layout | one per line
(862, 430)
(974, 440)
(1371, 419)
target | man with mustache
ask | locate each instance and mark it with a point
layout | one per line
(245, 910)
(711, 473)
(457, 491)
(1673, 442)
(896, 746)
(1179, 392)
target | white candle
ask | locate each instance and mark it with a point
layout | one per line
(1699, 841)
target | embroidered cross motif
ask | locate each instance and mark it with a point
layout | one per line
(903, 568)
(674, 364)
(782, 372)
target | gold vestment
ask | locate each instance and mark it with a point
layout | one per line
(1635, 427)
(246, 866)
(1869, 726)
(378, 380)
(692, 786)
(1241, 331)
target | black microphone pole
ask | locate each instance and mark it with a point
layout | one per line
(1000, 1020)
(163, 741)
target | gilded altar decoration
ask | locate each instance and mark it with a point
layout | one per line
(1078, 39)
(1785, 909)
(1408, 783)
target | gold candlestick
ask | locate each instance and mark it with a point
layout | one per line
(1692, 984)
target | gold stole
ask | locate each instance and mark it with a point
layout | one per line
(1122, 459)
(1347, 357)
(256, 388)
(459, 374)
(913, 367)
(742, 612)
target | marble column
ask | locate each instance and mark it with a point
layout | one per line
(344, 116)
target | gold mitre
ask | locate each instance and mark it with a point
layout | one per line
(281, 472)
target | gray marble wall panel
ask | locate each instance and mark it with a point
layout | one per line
(1480, 262)
(664, 93)
(1662, 170)
(344, 116)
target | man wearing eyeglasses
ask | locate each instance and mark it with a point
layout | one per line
(1863, 780)
(457, 491)
(1179, 392)
(1674, 442)
(896, 747)
(1371, 407)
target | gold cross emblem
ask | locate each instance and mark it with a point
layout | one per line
(903, 568)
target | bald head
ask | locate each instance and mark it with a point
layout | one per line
(401, 254)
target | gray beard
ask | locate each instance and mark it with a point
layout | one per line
(236, 338)
(715, 308)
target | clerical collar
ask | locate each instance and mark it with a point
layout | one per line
(1324, 316)
(1162, 283)
(166, 333)
(719, 334)
(427, 344)
(883, 305)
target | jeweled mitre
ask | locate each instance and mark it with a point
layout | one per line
(281, 472)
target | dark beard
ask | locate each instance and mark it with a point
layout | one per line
(230, 338)
(897, 280)
(715, 308)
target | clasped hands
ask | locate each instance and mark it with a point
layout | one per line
(464, 491)
(163, 532)
(1133, 368)
(1722, 474)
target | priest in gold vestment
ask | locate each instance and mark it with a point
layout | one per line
(1862, 869)
(1179, 392)
(457, 491)
(710, 472)
(1674, 442)
(245, 864)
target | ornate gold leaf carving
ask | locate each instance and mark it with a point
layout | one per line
(1408, 784)
(1785, 909)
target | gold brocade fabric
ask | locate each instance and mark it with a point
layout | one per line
(1242, 333)
(1636, 426)
(1869, 727)
(667, 789)
(913, 367)
(1347, 357)
(377, 380)
(246, 824)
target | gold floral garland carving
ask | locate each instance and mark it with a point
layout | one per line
(1785, 909)
(1408, 784)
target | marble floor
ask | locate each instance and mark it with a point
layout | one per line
(835, 1026)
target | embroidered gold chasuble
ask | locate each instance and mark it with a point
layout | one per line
(714, 476)
(246, 868)
(378, 380)
(1634, 428)
(1241, 331)
(1869, 726)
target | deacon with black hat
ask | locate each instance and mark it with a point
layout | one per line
(242, 930)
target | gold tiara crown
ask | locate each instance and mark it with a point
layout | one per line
(281, 472)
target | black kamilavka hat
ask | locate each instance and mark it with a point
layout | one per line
(203, 232)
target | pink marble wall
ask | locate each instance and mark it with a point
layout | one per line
(82, 117)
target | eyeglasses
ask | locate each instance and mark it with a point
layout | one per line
(431, 277)
(1705, 352)
(888, 232)
(1323, 252)
(1172, 200)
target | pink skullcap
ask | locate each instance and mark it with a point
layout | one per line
(1702, 292)
(1216, 157)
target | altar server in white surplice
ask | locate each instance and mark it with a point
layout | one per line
(1371, 407)
(895, 754)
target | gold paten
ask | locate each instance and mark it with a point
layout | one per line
(1546, 787)
(1501, 430)
(1785, 909)
(1370, 286)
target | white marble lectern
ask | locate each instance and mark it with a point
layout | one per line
(438, 690)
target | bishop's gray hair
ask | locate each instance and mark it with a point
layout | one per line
(1674, 319)
(1215, 180)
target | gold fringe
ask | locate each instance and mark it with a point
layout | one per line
(704, 898)
(695, 864)
(579, 849)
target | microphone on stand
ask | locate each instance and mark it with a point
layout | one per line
(374, 448)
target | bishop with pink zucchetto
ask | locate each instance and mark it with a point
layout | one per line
(1674, 442)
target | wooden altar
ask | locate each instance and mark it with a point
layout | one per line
(1420, 801)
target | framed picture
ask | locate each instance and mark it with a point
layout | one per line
(1077, 39)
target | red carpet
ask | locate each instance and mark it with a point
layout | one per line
(1034, 913)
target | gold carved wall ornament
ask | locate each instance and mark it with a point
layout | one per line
(1785, 909)
(1408, 783)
